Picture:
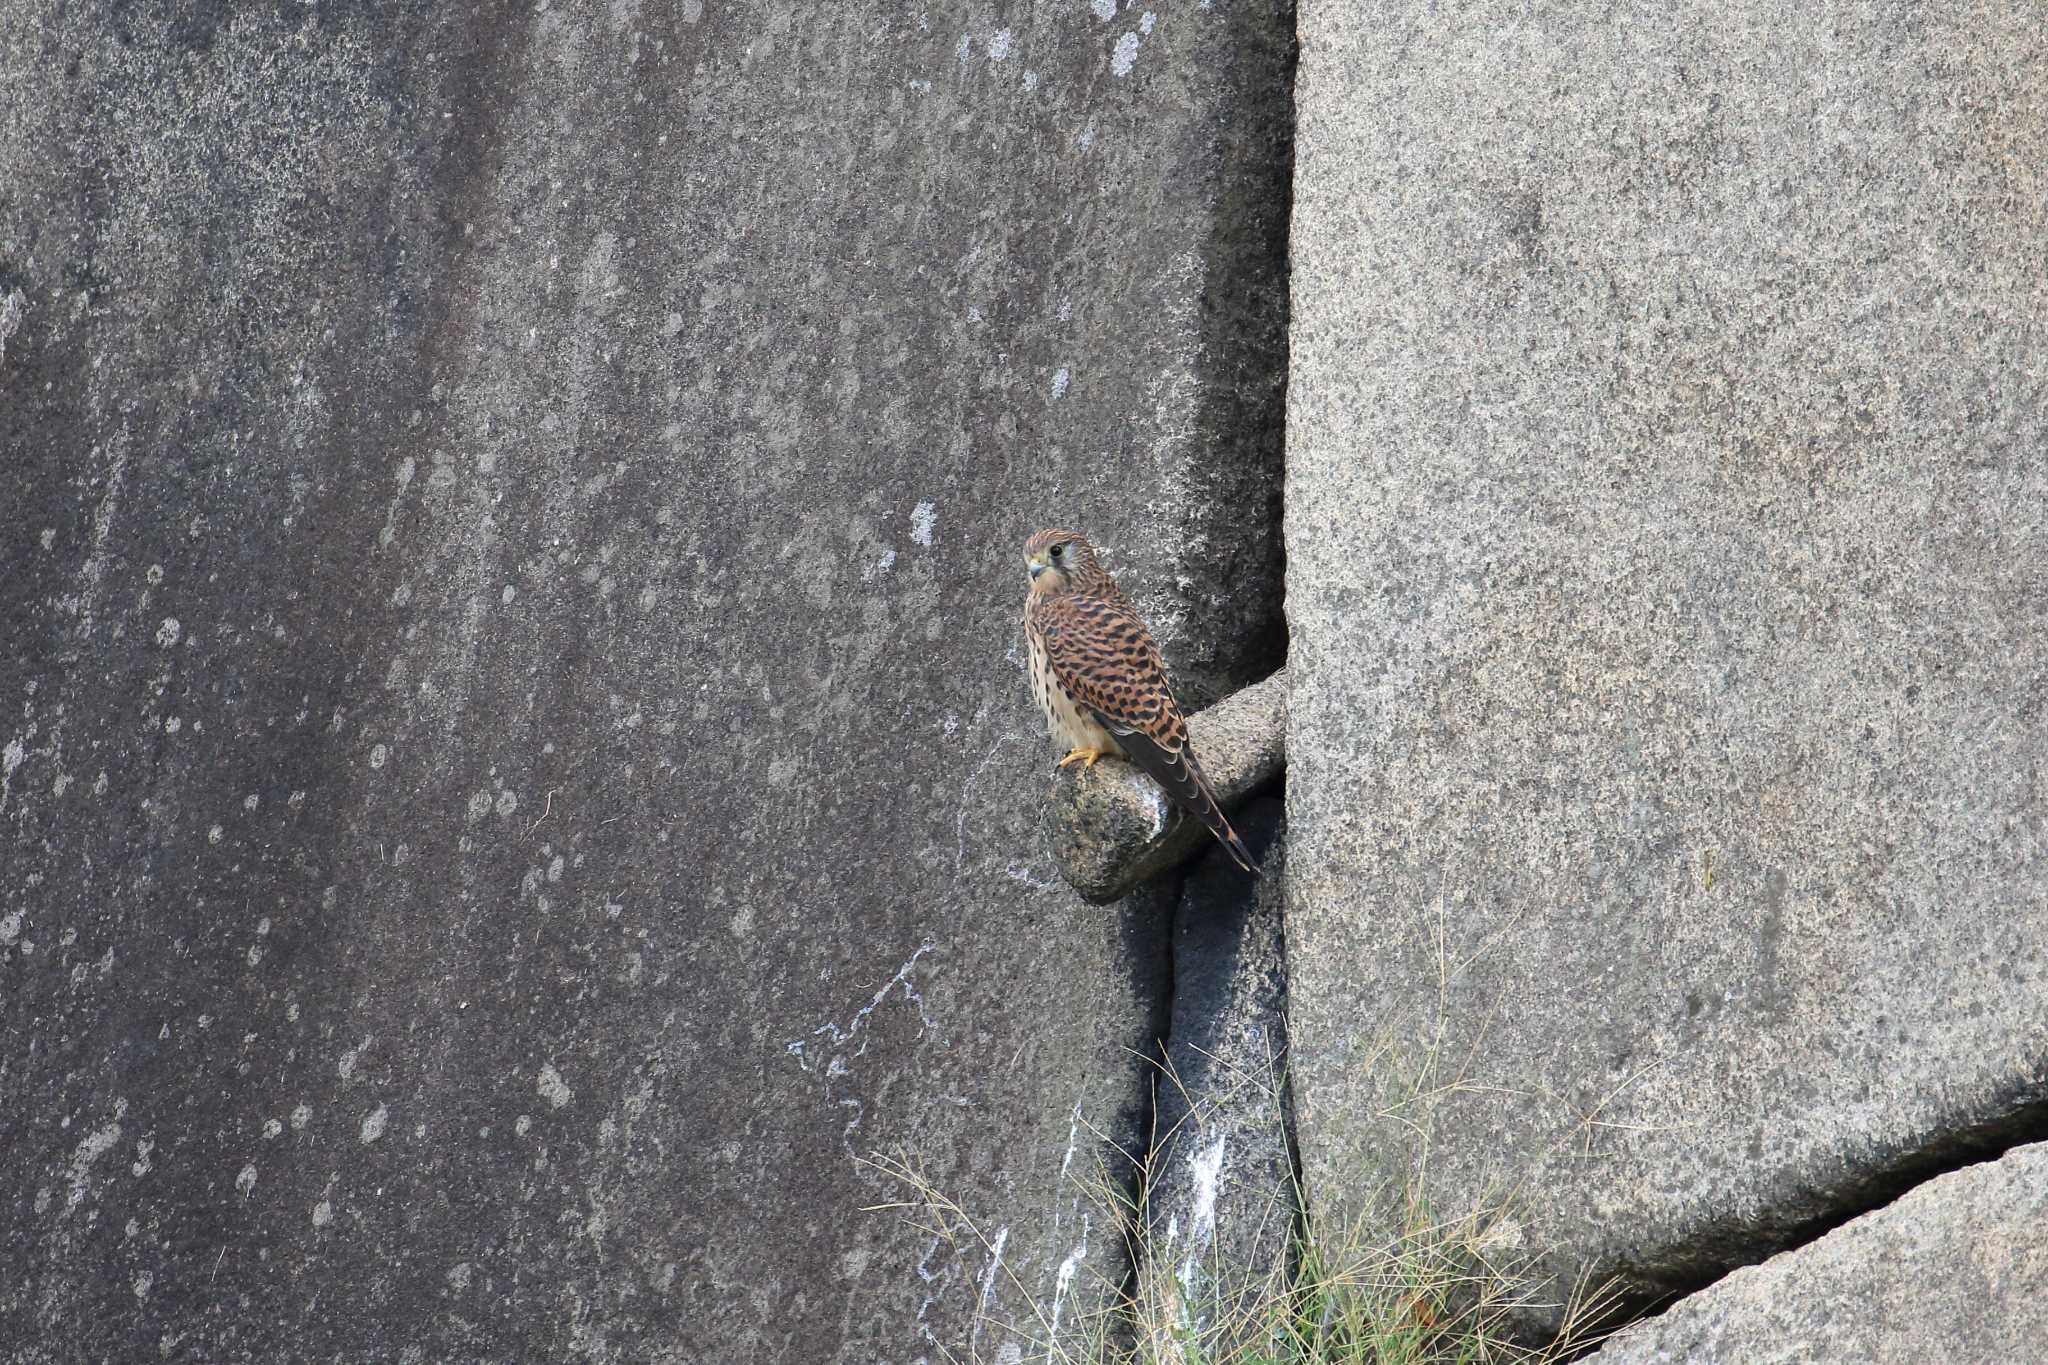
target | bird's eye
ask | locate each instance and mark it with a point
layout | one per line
(1056, 550)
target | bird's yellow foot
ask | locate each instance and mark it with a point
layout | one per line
(1086, 757)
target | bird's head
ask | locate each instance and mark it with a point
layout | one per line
(1061, 560)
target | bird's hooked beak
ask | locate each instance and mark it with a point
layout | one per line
(1035, 565)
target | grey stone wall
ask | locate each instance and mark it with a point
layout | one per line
(516, 776)
(1668, 585)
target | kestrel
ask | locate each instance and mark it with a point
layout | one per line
(1100, 681)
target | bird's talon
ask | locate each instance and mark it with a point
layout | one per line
(1086, 757)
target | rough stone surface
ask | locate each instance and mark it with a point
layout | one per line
(1111, 828)
(1220, 1194)
(515, 771)
(1957, 1269)
(1668, 580)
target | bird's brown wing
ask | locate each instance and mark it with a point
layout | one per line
(1101, 653)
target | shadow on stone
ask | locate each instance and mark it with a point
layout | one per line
(1221, 1197)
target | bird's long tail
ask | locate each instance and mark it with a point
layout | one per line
(1180, 772)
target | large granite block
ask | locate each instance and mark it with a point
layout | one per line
(1668, 583)
(517, 776)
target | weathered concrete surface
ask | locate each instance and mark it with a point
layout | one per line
(1668, 583)
(1957, 1269)
(1220, 1191)
(517, 775)
(1111, 828)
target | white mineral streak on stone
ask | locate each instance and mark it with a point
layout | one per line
(1207, 1168)
(837, 1065)
(246, 1181)
(1146, 21)
(552, 1088)
(12, 307)
(933, 1279)
(923, 518)
(988, 1289)
(406, 469)
(999, 45)
(1126, 55)
(10, 758)
(95, 566)
(1060, 378)
(1064, 1280)
(91, 1148)
(373, 1126)
(1017, 872)
(966, 789)
(167, 633)
(1105, 10)
(902, 978)
(347, 1066)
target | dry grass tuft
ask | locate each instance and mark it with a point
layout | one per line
(1436, 1292)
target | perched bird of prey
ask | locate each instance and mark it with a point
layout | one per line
(1100, 681)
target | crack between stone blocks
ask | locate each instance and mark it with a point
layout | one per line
(1230, 411)
(1214, 1096)
(2023, 1120)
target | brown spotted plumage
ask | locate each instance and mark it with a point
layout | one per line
(1099, 679)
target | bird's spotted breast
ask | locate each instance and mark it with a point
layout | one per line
(1066, 720)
